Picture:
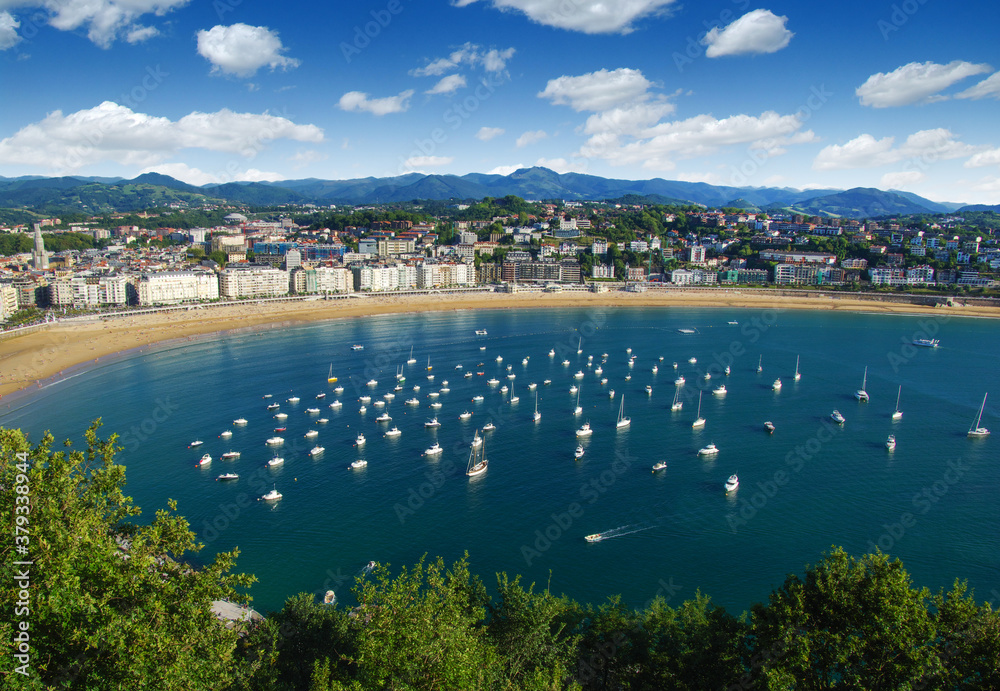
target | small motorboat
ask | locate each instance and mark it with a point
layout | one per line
(316, 450)
(205, 460)
(890, 442)
(662, 465)
(194, 444)
(360, 463)
(837, 417)
(360, 440)
(709, 450)
(273, 495)
(230, 455)
(433, 450)
(732, 483)
(769, 426)
(228, 476)
(394, 432)
(578, 453)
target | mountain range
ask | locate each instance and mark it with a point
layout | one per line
(104, 195)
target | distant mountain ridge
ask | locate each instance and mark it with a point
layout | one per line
(104, 195)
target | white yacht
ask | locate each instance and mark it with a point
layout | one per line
(336, 404)
(493, 382)
(532, 386)
(861, 394)
(565, 363)
(411, 401)
(360, 439)
(294, 399)
(797, 375)
(394, 432)
(577, 410)
(205, 460)
(226, 434)
(552, 353)
(433, 422)
(578, 375)
(679, 381)
(837, 417)
(677, 404)
(732, 483)
(477, 440)
(477, 398)
(316, 450)
(693, 360)
(312, 411)
(776, 386)
(585, 430)
(661, 465)
(436, 405)
(310, 434)
(898, 414)
(273, 495)
(890, 442)
(977, 429)
(769, 426)
(489, 427)
(537, 416)
(277, 460)
(433, 450)
(242, 420)
(720, 390)
(360, 463)
(622, 420)
(699, 421)
(649, 390)
(230, 455)
(384, 417)
(573, 389)
(709, 450)
(465, 415)
(578, 453)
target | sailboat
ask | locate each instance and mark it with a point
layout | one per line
(514, 398)
(578, 409)
(760, 361)
(798, 375)
(537, 416)
(330, 379)
(861, 394)
(699, 421)
(977, 430)
(579, 347)
(412, 359)
(429, 363)
(622, 420)
(477, 460)
(677, 404)
(898, 413)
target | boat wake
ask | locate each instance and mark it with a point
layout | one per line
(621, 531)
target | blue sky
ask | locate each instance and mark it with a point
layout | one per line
(895, 95)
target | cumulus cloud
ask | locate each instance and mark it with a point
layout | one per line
(447, 85)
(989, 87)
(530, 137)
(658, 147)
(759, 31)
(469, 55)
(915, 82)
(360, 101)
(428, 161)
(104, 20)
(561, 165)
(8, 31)
(586, 16)
(984, 158)
(905, 178)
(864, 151)
(196, 176)
(112, 132)
(487, 133)
(242, 49)
(597, 91)
(506, 170)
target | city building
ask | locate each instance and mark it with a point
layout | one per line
(173, 287)
(253, 280)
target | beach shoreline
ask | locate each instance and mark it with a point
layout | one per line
(32, 359)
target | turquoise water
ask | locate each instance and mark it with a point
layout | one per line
(933, 501)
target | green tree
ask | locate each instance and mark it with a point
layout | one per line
(114, 605)
(422, 630)
(852, 623)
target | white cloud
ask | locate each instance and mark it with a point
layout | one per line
(105, 20)
(138, 34)
(447, 85)
(112, 132)
(301, 159)
(989, 185)
(428, 161)
(984, 158)
(242, 49)
(561, 165)
(989, 87)
(487, 133)
(864, 151)
(901, 180)
(759, 31)
(360, 101)
(709, 178)
(598, 90)
(467, 55)
(915, 82)
(8, 31)
(196, 176)
(630, 119)
(656, 147)
(586, 16)
(530, 137)
(506, 170)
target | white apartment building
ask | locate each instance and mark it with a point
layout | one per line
(253, 281)
(172, 287)
(89, 291)
(8, 300)
(333, 280)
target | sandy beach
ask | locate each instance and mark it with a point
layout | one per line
(34, 358)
